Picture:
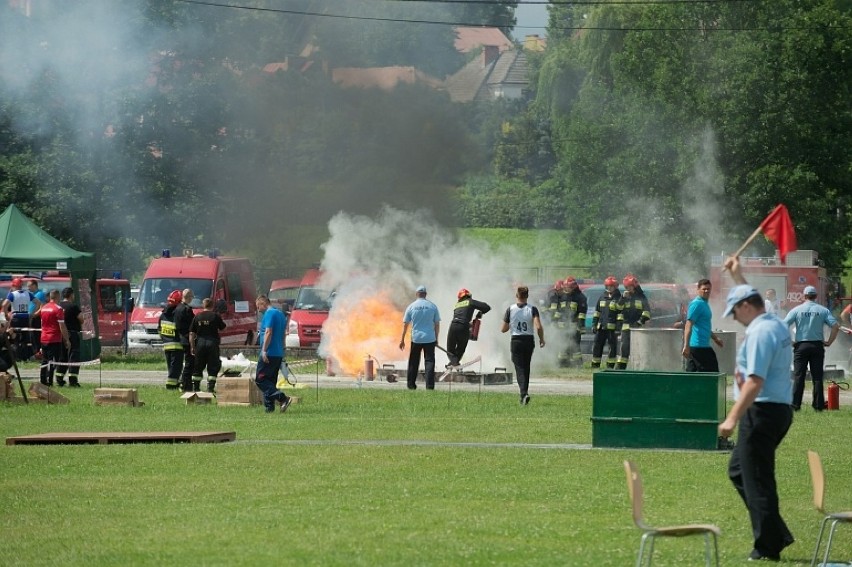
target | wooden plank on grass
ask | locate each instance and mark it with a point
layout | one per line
(106, 438)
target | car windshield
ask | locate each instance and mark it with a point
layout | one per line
(155, 291)
(314, 298)
(284, 294)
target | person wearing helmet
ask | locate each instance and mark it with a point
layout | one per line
(635, 311)
(606, 317)
(555, 305)
(576, 305)
(171, 341)
(458, 334)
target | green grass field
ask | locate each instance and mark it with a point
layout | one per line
(379, 477)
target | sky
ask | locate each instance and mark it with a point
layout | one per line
(532, 19)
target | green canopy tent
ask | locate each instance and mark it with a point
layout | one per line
(27, 249)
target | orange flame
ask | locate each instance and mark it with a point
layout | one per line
(361, 326)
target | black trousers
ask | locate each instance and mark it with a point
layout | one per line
(522, 347)
(174, 363)
(458, 336)
(428, 350)
(188, 366)
(602, 337)
(702, 359)
(808, 354)
(70, 355)
(752, 472)
(207, 357)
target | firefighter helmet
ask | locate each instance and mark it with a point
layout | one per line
(610, 281)
(175, 297)
(463, 293)
(630, 281)
(570, 282)
(17, 282)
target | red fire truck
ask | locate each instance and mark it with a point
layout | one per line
(788, 280)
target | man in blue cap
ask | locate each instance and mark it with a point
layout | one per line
(425, 321)
(809, 345)
(762, 394)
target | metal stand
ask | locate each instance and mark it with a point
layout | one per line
(11, 350)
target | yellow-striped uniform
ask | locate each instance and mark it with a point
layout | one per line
(635, 312)
(605, 325)
(576, 306)
(172, 347)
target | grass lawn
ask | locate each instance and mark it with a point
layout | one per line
(379, 477)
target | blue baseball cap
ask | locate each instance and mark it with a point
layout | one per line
(738, 294)
(810, 290)
(421, 289)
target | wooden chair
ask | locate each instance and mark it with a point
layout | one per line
(634, 486)
(818, 480)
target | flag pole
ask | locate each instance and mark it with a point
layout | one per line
(748, 241)
(742, 248)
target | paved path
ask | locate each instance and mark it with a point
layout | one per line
(538, 385)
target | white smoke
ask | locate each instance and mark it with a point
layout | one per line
(397, 251)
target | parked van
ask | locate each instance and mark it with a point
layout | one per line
(310, 310)
(113, 308)
(283, 293)
(228, 281)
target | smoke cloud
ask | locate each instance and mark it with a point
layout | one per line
(395, 251)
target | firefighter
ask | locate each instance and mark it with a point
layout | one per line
(555, 304)
(634, 312)
(458, 334)
(576, 305)
(604, 323)
(171, 341)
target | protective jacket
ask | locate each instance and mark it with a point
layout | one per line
(607, 311)
(183, 319)
(167, 329)
(576, 307)
(635, 310)
(557, 303)
(463, 311)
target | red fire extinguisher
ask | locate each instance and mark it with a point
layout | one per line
(474, 328)
(368, 369)
(833, 401)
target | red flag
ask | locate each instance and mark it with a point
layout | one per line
(779, 229)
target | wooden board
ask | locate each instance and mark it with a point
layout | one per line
(107, 438)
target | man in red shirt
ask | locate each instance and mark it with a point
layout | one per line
(53, 335)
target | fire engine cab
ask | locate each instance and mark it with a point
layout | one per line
(788, 280)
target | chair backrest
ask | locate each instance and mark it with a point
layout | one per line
(818, 480)
(634, 488)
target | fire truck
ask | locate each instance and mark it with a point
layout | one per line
(788, 279)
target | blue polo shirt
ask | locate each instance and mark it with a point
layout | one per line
(810, 318)
(273, 322)
(700, 315)
(423, 315)
(766, 353)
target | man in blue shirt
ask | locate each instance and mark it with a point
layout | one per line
(272, 328)
(762, 394)
(698, 332)
(425, 321)
(809, 345)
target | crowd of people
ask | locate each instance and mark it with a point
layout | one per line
(45, 326)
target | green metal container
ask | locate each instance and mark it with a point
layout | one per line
(674, 410)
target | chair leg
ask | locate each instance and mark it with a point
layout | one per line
(830, 538)
(640, 559)
(819, 541)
